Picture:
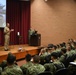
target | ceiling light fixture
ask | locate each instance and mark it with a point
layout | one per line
(46, 0)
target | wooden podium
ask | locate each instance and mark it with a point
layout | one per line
(35, 40)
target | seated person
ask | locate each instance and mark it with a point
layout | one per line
(72, 69)
(63, 56)
(4, 62)
(36, 68)
(56, 62)
(54, 65)
(27, 64)
(12, 69)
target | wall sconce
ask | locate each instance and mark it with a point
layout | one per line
(45, 0)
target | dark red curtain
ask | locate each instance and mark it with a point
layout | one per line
(18, 15)
(25, 20)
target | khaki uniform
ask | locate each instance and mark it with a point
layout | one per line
(7, 38)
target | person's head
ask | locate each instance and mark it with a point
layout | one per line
(47, 58)
(63, 50)
(64, 44)
(11, 59)
(49, 50)
(43, 51)
(75, 44)
(10, 54)
(54, 47)
(54, 56)
(8, 25)
(58, 46)
(36, 59)
(61, 45)
(28, 57)
(68, 47)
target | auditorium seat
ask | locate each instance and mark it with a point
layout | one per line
(45, 73)
(62, 71)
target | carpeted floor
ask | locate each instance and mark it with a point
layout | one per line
(21, 62)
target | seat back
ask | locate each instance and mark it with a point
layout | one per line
(45, 73)
(62, 71)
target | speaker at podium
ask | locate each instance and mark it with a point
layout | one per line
(35, 40)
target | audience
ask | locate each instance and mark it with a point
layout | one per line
(51, 58)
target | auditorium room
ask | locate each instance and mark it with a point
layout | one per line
(37, 37)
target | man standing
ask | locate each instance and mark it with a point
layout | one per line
(31, 31)
(7, 36)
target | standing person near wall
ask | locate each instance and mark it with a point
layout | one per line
(30, 32)
(7, 31)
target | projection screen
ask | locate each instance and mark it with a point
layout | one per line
(2, 13)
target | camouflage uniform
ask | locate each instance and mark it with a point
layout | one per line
(63, 58)
(12, 70)
(58, 64)
(7, 37)
(36, 69)
(72, 69)
(50, 67)
(29, 34)
(0, 70)
(72, 52)
(43, 56)
(54, 66)
(26, 66)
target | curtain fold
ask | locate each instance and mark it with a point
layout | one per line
(25, 20)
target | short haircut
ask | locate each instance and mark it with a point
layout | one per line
(28, 57)
(11, 59)
(74, 43)
(63, 50)
(55, 55)
(36, 59)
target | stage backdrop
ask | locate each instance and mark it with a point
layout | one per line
(18, 15)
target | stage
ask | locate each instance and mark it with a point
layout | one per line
(15, 49)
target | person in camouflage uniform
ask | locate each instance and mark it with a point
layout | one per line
(54, 65)
(11, 68)
(63, 56)
(72, 68)
(36, 68)
(50, 67)
(56, 62)
(42, 55)
(4, 62)
(28, 63)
